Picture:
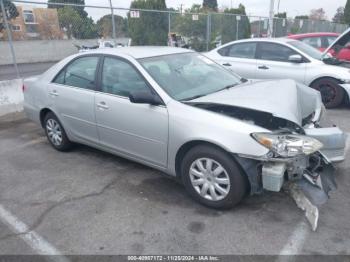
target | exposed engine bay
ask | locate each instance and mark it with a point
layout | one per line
(259, 118)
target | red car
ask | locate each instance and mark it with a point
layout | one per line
(321, 41)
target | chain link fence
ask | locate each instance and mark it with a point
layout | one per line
(39, 33)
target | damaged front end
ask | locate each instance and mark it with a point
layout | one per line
(300, 155)
(297, 164)
(307, 179)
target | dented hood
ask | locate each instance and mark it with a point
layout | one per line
(285, 99)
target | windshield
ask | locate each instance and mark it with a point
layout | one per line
(188, 75)
(307, 49)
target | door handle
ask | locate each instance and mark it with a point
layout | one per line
(264, 67)
(53, 93)
(226, 64)
(102, 105)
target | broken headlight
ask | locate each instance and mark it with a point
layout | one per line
(288, 145)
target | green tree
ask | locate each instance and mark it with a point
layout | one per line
(347, 12)
(76, 26)
(280, 25)
(229, 24)
(296, 28)
(210, 5)
(302, 17)
(151, 28)
(10, 11)
(79, 9)
(339, 15)
(195, 31)
(281, 15)
(318, 14)
(105, 28)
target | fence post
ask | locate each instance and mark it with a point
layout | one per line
(9, 35)
(113, 22)
(237, 25)
(169, 23)
(208, 30)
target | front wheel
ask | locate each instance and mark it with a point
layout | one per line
(211, 177)
(332, 94)
(56, 133)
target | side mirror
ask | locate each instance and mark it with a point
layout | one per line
(144, 97)
(295, 59)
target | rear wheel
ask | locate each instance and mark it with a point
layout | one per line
(332, 94)
(55, 133)
(211, 177)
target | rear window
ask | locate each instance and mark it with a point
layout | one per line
(241, 50)
(79, 73)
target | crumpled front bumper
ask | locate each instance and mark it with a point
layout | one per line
(311, 192)
(331, 136)
(333, 140)
(307, 179)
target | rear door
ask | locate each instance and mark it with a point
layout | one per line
(272, 63)
(240, 58)
(72, 94)
(137, 130)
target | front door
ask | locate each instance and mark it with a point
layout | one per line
(137, 130)
(273, 63)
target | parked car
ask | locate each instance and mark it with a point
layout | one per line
(322, 41)
(317, 40)
(177, 111)
(278, 58)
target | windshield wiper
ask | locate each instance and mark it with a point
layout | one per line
(228, 87)
(197, 96)
(191, 98)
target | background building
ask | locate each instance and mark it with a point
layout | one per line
(35, 23)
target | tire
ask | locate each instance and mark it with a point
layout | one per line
(55, 133)
(231, 173)
(332, 94)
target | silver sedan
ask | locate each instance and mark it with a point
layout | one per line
(178, 111)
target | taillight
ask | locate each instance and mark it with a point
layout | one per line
(24, 88)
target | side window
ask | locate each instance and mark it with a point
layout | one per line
(79, 73)
(223, 51)
(120, 78)
(313, 41)
(243, 50)
(274, 52)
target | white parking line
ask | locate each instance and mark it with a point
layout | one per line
(296, 240)
(35, 241)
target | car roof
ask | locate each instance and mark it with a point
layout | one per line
(140, 51)
(297, 36)
(262, 39)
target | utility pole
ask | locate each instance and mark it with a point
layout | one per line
(9, 35)
(113, 22)
(271, 14)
